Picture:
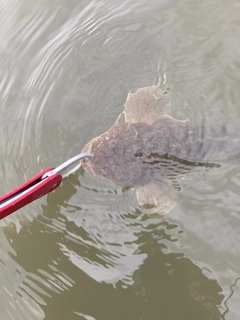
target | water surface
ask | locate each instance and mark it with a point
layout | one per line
(87, 251)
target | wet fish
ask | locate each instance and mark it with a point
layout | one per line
(151, 150)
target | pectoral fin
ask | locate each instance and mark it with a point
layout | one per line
(160, 197)
(146, 105)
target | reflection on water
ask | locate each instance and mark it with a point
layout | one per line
(87, 251)
(130, 255)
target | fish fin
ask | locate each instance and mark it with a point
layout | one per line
(159, 197)
(146, 105)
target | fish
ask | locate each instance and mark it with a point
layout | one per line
(151, 151)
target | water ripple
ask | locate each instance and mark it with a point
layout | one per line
(65, 71)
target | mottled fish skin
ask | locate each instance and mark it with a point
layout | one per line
(134, 154)
(152, 151)
(189, 142)
(115, 154)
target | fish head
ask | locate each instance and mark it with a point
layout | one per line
(115, 154)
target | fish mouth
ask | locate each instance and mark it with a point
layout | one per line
(87, 165)
(86, 162)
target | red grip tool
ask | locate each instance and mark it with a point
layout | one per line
(40, 185)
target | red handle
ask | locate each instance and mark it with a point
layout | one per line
(28, 192)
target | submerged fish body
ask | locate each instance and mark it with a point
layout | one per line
(149, 152)
(133, 154)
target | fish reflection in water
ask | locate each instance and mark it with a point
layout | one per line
(151, 151)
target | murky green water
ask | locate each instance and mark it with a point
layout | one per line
(87, 251)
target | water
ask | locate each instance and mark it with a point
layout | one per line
(87, 251)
